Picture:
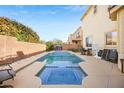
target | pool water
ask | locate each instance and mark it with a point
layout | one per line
(60, 56)
(61, 68)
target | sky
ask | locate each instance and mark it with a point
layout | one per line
(49, 21)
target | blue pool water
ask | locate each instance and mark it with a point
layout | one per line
(61, 68)
(60, 56)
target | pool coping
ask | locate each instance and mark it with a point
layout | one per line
(94, 78)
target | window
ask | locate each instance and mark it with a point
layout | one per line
(89, 41)
(111, 38)
(95, 9)
(78, 35)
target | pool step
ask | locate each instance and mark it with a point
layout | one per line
(52, 75)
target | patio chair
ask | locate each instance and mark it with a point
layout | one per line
(100, 53)
(83, 51)
(6, 74)
(113, 55)
(89, 52)
(105, 54)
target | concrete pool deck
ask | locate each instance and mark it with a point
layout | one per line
(26, 71)
(100, 74)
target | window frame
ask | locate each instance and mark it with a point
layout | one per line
(111, 41)
(87, 41)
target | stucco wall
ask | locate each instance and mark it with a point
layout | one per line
(97, 25)
(120, 20)
(10, 46)
(69, 46)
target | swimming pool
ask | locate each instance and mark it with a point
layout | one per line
(61, 68)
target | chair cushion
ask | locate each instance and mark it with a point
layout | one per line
(6, 74)
(105, 52)
(113, 55)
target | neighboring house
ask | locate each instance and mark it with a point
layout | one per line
(103, 26)
(117, 14)
(70, 39)
(76, 37)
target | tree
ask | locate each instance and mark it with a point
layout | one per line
(21, 32)
(57, 42)
(50, 45)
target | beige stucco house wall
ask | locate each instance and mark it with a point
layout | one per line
(96, 23)
(117, 14)
(104, 19)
